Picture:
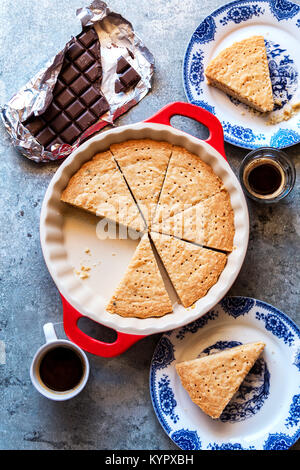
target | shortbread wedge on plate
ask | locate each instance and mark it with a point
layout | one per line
(242, 71)
(211, 381)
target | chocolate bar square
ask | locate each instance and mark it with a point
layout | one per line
(75, 50)
(85, 120)
(90, 95)
(79, 85)
(69, 73)
(71, 133)
(75, 109)
(45, 136)
(100, 107)
(60, 122)
(84, 61)
(93, 72)
(64, 98)
(88, 37)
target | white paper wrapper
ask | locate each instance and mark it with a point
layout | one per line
(117, 38)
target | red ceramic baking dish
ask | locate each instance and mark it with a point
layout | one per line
(69, 236)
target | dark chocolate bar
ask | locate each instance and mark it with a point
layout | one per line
(128, 76)
(77, 100)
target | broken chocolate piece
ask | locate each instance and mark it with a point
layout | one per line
(77, 100)
(119, 86)
(122, 65)
(128, 76)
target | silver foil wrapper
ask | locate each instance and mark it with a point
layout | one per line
(117, 38)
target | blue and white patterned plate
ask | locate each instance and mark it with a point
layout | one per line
(279, 22)
(265, 412)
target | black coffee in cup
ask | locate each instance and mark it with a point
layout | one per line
(267, 175)
(61, 369)
(264, 177)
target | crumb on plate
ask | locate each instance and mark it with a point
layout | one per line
(83, 272)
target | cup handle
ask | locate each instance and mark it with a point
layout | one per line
(49, 332)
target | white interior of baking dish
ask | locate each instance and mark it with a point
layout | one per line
(67, 232)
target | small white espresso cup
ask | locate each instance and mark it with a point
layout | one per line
(53, 342)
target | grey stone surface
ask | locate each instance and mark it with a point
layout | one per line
(114, 411)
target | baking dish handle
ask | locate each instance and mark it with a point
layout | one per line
(216, 136)
(92, 345)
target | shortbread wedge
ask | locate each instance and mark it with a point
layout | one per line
(192, 269)
(188, 181)
(209, 223)
(144, 163)
(99, 187)
(211, 381)
(142, 291)
(242, 71)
